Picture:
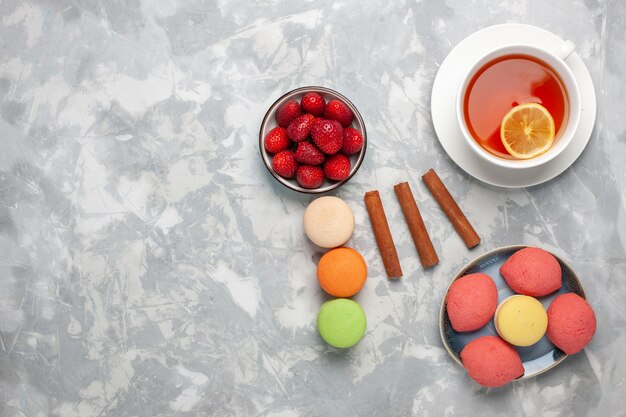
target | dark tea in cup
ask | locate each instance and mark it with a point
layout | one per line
(507, 82)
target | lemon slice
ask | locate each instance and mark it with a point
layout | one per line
(527, 130)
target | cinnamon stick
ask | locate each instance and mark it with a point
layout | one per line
(425, 249)
(382, 234)
(451, 208)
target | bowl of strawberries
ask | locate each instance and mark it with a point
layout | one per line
(312, 140)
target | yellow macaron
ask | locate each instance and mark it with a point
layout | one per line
(521, 320)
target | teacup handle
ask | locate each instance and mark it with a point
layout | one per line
(566, 50)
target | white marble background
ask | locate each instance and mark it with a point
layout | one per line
(150, 266)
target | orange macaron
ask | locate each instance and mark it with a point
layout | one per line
(342, 272)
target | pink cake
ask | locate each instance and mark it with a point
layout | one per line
(571, 323)
(491, 361)
(471, 302)
(532, 271)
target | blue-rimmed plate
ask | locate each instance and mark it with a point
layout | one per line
(537, 358)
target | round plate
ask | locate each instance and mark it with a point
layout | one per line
(444, 97)
(537, 358)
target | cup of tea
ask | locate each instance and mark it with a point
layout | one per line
(507, 77)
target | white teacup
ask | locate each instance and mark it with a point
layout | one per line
(554, 59)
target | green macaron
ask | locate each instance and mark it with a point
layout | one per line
(341, 322)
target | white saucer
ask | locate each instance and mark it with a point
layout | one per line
(443, 110)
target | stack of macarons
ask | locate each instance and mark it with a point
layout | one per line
(519, 320)
(341, 272)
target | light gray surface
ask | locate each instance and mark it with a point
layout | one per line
(150, 266)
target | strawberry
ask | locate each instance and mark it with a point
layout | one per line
(308, 154)
(276, 140)
(352, 141)
(337, 167)
(309, 176)
(300, 127)
(313, 103)
(327, 135)
(284, 164)
(337, 110)
(287, 111)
